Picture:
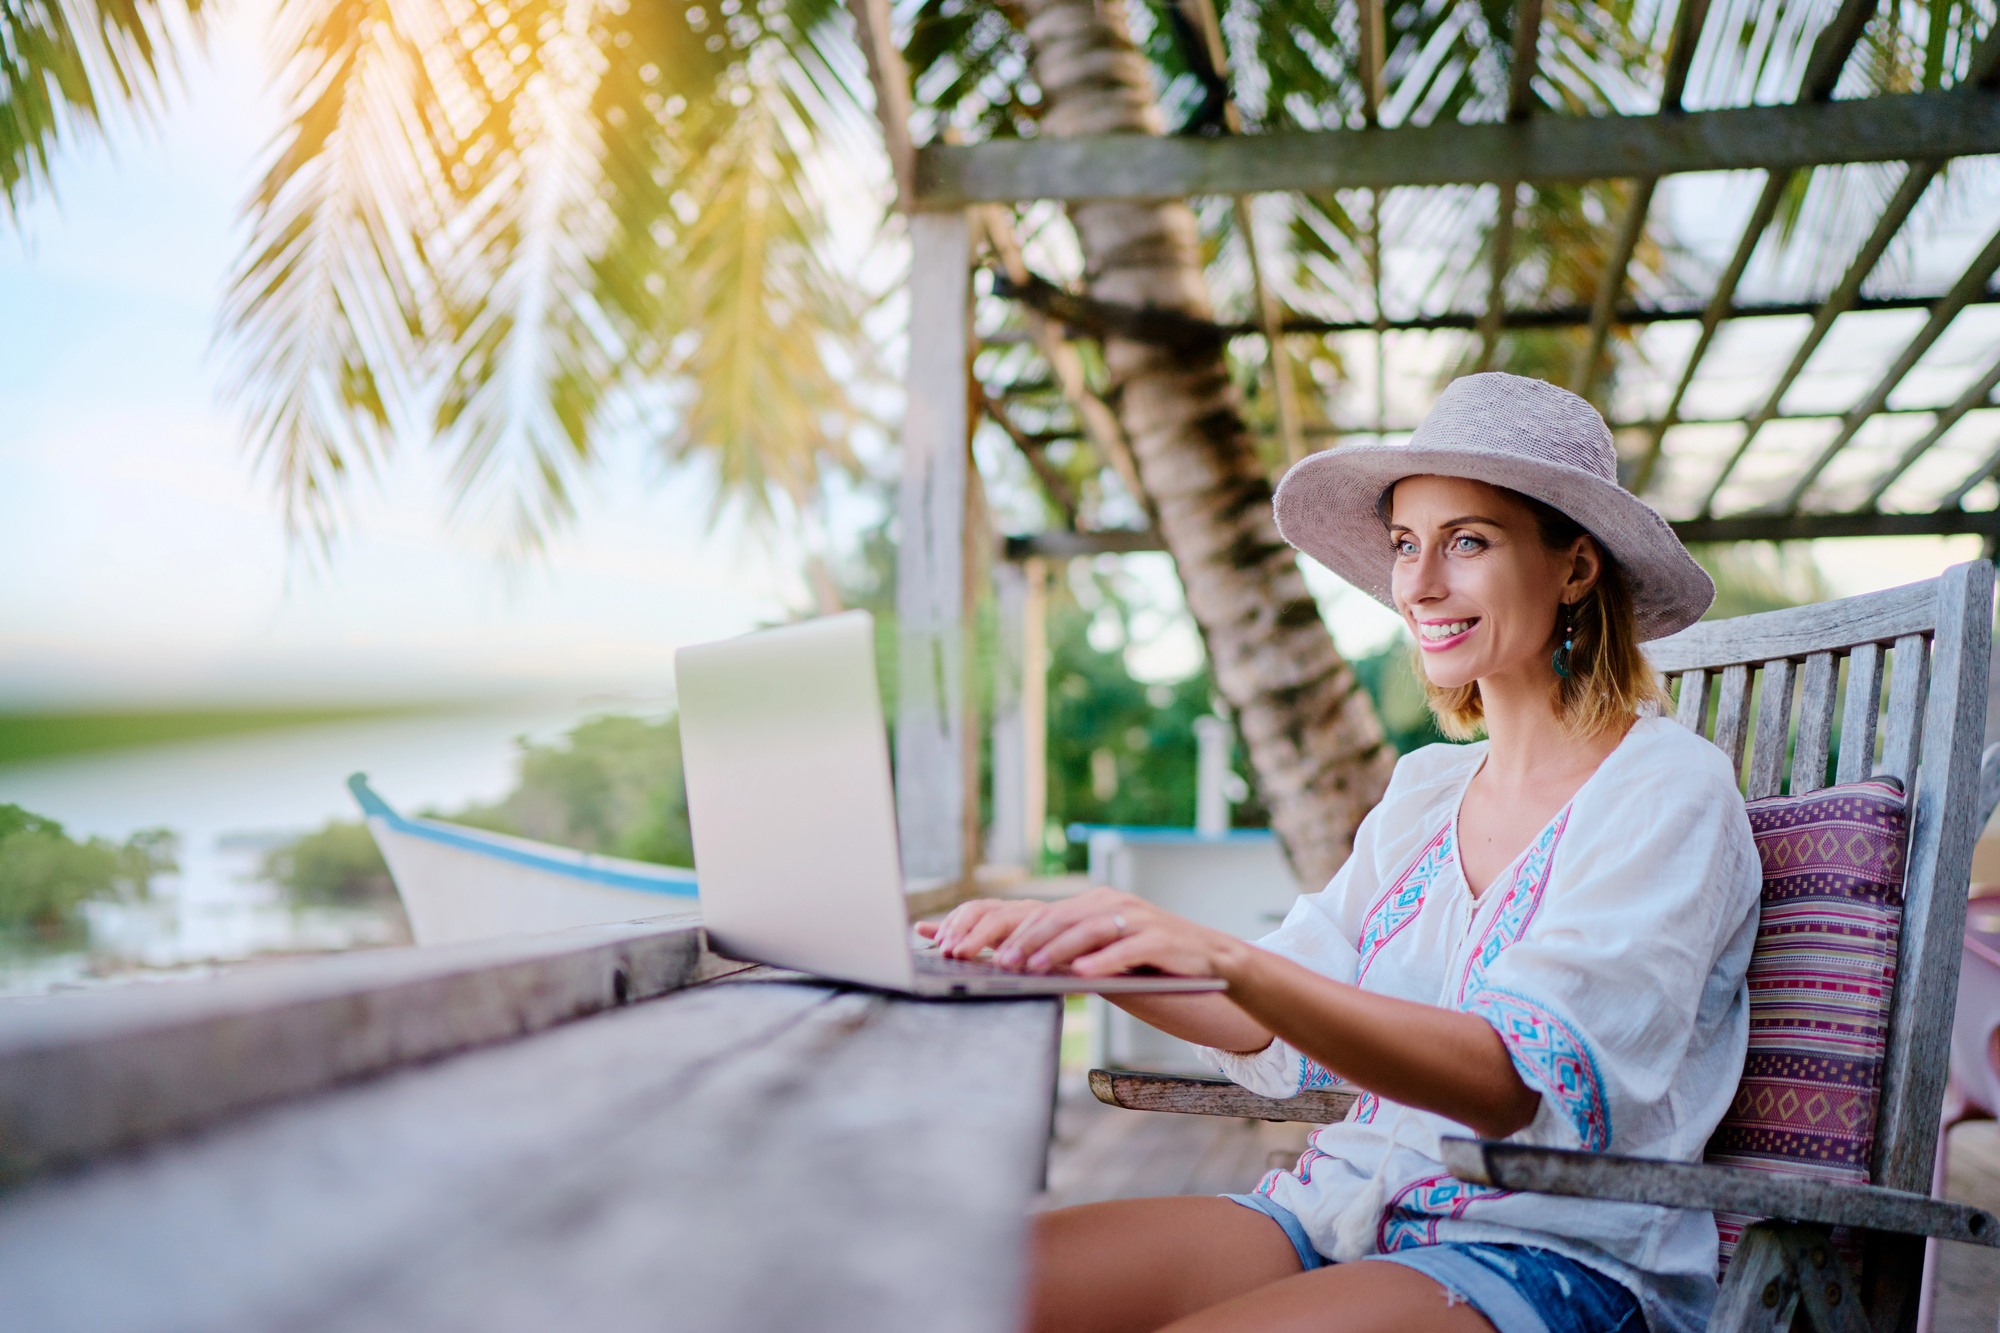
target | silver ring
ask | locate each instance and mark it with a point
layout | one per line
(1118, 920)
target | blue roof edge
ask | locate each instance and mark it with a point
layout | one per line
(1166, 833)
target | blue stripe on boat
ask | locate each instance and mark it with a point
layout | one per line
(673, 883)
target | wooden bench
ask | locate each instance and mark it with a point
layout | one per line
(1935, 639)
(584, 1130)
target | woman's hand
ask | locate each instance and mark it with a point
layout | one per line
(979, 924)
(1103, 932)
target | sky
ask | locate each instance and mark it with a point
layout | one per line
(149, 562)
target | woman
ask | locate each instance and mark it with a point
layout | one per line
(1541, 936)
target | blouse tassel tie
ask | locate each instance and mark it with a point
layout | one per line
(1356, 1225)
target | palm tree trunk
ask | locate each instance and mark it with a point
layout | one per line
(1315, 745)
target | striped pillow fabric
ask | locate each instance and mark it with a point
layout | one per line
(1821, 979)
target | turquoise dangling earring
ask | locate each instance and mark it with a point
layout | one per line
(1560, 660)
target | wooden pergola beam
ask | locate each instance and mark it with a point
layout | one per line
(1520, 105)
(1916, 179)
(1546, 148)
(1977, 395)
(1919, 172)
(1829, 56)
(1971, 283)
(1088, 316)
(1058, 545)
(1688, 21)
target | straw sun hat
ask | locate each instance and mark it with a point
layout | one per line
(1505, 430)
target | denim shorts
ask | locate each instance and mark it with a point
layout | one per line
(1519, 1288)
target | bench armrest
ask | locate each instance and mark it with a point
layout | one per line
(1731, 1189)
(1213, 1096)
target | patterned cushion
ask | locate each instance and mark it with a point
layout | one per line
(1820, 985)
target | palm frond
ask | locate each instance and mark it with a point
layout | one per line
(475, 230)
(65, 65)
(765, 401)
(331, 302)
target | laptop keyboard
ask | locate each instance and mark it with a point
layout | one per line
(936, 964)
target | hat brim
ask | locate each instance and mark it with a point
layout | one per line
(1325, 506)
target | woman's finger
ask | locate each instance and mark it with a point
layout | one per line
(1082, 938)
(1161, 949)
(963, 919)
(991, 928)
(1035, 932)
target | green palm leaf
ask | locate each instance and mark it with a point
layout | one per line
(509, 227)
(64, 64)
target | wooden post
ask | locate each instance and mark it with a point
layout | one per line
(1010, 841)
(1035, 707)
(931, 735)
(1020, 716)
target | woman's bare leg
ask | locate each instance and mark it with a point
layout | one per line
(1135, 1265)
(1348, 1298)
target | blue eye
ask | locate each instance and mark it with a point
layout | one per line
(1465, 542)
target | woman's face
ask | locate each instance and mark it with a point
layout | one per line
(1473, 581)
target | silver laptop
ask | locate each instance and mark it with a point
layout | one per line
(794, 821)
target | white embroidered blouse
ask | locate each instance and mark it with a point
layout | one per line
(1609, 957)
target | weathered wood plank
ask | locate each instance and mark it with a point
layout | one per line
(1828, 1288)
(1213, 1096)
(1732, 713)
(1759, 1267)
(1819, 684)
(1774, 725)
(1543, 148)
(1799, 631)
(1692, 708)
(731, 1157)
(1943, 828)
(1909, 682)
(83, 1074)
(932, 658)
(1731, 1189)
(1858, 720)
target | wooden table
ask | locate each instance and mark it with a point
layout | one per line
(733, 1155)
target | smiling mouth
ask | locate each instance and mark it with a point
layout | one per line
(1436, 635)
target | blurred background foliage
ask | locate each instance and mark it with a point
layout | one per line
(46, 875)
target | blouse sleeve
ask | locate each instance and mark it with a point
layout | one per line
(1596, 984)
(1312, 936)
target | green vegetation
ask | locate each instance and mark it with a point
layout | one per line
(27, 736)
(45, 875)
(335, 866)
(612, 785)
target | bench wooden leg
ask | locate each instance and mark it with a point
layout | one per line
(1779, 1267)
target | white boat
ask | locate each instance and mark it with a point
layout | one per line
(461, 883)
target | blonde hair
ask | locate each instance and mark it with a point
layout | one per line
(1610, 681)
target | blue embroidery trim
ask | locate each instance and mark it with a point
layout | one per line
(1412, 1217)
(1553, 1058)
(1403, 900)
(1524, 897)
(1313, 1074)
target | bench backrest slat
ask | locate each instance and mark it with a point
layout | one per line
(1857, 721)
(1819, 687)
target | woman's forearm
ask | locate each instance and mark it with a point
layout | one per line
(1418, 1054)
(1206, 1018)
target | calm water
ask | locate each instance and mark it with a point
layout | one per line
(232, 799)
